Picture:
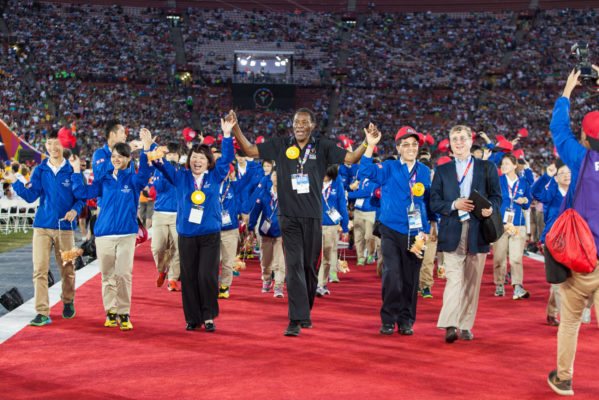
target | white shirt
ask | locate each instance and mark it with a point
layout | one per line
(56, 169)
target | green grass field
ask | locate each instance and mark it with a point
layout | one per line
(14, 240)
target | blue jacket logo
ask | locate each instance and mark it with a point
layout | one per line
(125, 189)
(66, 183)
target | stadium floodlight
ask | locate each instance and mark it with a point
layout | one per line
(283, 63)
(243, 62)
(252, 63)
(277, 64)
(263, 63)
(278, 58)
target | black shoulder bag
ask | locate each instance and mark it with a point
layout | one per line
(491, 227)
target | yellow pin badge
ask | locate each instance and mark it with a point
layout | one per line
(198, 197)
(418, 189)
(292, 153)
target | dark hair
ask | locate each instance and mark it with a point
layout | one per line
(239, 153)
(474, 148)
(307, 111)
(512, 158)
(332, 171)
(271, 162)
(15, 167)
(122, 149)
(427, 163)
(67, 153)
(201, 149)
(173, 147)
(521, 161)
(559, 163)
(111, 127)
(53, 134)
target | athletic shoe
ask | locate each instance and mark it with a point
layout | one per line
(360, 262)
(236, 272)
(326, 291)
(173, 287)
(279, 293)
(520, 293)
(586, 316)
(426, 293)
(125, 322)
(223, 292)
(209, 326)
(333, 278)
(499, 290)
(266, 286)
(110, 320)
(553, 321)
(320, 291)
(68, 310)
(560, 387)
(370, 260)
(161, 278)
(40, 320)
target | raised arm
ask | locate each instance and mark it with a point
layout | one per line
(30, 193)
(249, 149)
(355, 156)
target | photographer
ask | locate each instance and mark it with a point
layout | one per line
(578, 287)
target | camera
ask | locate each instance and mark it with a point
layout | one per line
(580, 51)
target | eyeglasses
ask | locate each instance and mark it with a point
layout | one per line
(565, 173)
(406, 145)
(459, 139)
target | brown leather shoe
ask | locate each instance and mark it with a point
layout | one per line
(553, 321)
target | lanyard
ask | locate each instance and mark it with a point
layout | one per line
(195, 182)
(302, 162)
(222, 198)
(326, 194)
(460, 181)
(273, 205)
(411, 183)
(512, 192)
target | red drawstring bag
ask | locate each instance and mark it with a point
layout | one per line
(571, 242)
(142, 233)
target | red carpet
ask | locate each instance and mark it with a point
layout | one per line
(342, 357)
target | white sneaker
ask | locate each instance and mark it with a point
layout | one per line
(586, 316)
(278, 293)
(320, 291)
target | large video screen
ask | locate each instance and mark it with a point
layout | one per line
(248, 96)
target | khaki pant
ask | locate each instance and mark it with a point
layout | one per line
(115, 255)
(514, 246)
(554, 302)
(428, 264)
(464, 273)
(273, 259)
(329, 253)
(363, 237)
(43, 239)
(575, 292)
(228, 250)
(164, 244)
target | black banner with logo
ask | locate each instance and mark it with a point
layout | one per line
(252, 96)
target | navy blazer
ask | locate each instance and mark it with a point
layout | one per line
(445, 190)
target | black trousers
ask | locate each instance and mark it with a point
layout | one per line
(302, 243)
(199, 257)
(401, 274)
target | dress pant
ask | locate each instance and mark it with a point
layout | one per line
(554, 302)
(464, 273)
(228, 251)
(512, 245)
(428, 264)
(200, 258)
(363, 237)
(575, 292)
(273, 260)
(43, 239)
(164, 244)
(302, 242)
(329, 253)
(400, 278)
(115, 255)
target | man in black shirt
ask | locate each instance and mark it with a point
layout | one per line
(301, 162)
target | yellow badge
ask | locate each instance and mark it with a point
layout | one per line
(418, 189)
(198, 197)
(292, 153)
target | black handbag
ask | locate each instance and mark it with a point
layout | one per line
(376, 229)
(492, 226)
(554, 271)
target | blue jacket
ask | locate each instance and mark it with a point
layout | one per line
(185, 183)
(396, 198)
(363, 194)
(335, 199)
(546, 190)
(55, 194)
(230, 202)
(573, 154)
(348, 175)
(253, 174)
(254, 191)
(445, 190)
(118, 214)
(523, 190)
(266, 207)
(166, 193)
(527, 174)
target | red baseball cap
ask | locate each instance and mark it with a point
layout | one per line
(208, 141)
(429, 139)
(260, 139)
(444, 145)
(345, 141)
(406, 132)
(443, 160)
(505, 145)
(590, 124)
(523, 133)
(519, 154)
(66, 138)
